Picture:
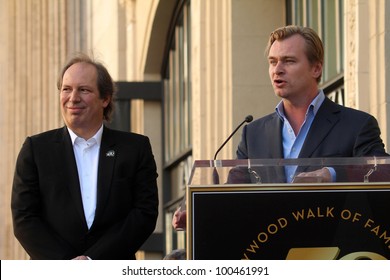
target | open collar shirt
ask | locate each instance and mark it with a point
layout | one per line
(292, 144)
(87, 159)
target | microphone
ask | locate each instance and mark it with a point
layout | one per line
(247, 119)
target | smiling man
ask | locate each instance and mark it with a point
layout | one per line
(81, 104)
(84, 191)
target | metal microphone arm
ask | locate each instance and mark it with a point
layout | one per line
(248, 119)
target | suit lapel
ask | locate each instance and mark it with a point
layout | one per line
(107, 158)
(273, 133)
(323, 122)
(65, 148)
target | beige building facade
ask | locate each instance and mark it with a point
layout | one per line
(207, 57)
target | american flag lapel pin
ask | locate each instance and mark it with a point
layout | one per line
(110, 153)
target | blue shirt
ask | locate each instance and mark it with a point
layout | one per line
(292, 144)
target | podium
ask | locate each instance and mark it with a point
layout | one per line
(247, 209)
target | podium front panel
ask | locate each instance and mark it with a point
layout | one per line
(232, 222)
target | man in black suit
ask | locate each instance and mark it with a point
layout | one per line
(306, 124)
(84, 191)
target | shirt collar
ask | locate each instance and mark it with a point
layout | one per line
(97, 136)
(315, 105)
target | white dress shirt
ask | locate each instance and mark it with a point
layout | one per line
(87, 159)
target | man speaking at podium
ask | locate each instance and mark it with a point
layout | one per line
(306, 123)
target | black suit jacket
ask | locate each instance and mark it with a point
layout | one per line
(336, 131)
(46, 203)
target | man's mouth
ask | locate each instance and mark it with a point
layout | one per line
(75, 109)
(279, 82)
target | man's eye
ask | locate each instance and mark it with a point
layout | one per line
(272, 62)
(84, 90)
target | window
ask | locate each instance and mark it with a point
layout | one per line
(177, 120)
(326, 17)
(177, 96)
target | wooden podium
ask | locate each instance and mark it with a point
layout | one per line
(248, 218)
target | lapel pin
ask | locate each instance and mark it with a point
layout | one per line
(110, 153)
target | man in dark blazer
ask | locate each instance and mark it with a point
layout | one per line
(84, 191)
(306, 124)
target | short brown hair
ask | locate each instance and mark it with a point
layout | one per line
(314, 46)
(105, 84)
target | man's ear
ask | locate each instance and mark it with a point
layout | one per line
(317, 70)
(106, 101)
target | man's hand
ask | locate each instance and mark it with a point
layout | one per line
(81, 258)
(318, 176)
(179, 220)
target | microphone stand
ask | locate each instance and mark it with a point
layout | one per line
(247, 119)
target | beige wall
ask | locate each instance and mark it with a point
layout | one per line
(379, 44)
(30, 55)
(229, 72)
(211, 75)
(367, 60)
(252, 90)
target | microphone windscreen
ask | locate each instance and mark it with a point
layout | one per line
(249, 118)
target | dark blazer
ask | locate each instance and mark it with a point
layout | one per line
(336, 131)
(46, 203)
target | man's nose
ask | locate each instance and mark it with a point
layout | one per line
(278, 68)
(74, 96)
